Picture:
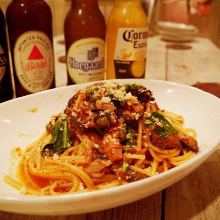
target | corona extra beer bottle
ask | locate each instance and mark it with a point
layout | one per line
(127, 29)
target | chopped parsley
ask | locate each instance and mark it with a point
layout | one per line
(130, 138)
(162, 126)
(125, 167)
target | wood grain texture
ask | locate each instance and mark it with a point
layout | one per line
(201, 63)
(9, 216)
(156, 59)
(149, 208)
(198, 195)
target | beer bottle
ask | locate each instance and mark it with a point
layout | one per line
(84, 30)
(30, 34)
(6, 91)
(126, 39)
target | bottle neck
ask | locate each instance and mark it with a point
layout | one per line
(26, 1)
(84, 3)
(121, 2)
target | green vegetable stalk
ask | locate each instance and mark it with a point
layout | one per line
(60, 138)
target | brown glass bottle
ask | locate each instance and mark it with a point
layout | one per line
(31, 43)
(6, 91)
(84, 30)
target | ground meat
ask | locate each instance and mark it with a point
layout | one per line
(131, 176)
(132, 110)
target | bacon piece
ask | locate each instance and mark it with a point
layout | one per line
(189, 142)
(132, 110)
(113, 152)
(95, 167)
(112, 142)
(171, 141)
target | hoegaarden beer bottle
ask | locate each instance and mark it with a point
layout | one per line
(84, 31)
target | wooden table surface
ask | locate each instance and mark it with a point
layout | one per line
(197, 196)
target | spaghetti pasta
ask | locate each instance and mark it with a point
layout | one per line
(108, 135)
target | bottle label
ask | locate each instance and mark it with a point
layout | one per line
(86, 60)
(3, 62)
(130, 52)
(34, 64)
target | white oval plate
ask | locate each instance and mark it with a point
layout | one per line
(177, 27)
(20, 125)
(180, 38)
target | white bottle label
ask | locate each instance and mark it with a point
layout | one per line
(130, 52)
(3, 62)
(86, 60)
(34, 64)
